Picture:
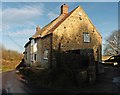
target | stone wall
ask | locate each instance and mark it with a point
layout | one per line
(70, 34)
(46, 45)
(27, 54)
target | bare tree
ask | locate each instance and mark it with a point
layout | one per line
(112, 46)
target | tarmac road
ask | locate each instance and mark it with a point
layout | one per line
(12, 84)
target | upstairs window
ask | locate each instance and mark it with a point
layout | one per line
(33, 45)
(45, 54)
(86, 37)
(32, 42)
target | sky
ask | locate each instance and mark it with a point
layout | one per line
(19, 19)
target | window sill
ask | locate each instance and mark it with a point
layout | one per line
(86, 42)
(45, 58)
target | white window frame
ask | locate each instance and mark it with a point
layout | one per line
(86, 37)
(45, 56)
(32, 42)
(33, 46)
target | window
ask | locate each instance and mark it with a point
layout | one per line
(86, 37)
(35, 57)
(32, 42)
(35, 47)
(45, 54)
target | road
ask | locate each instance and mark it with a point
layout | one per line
(13, 84)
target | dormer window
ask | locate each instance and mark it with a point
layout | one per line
(32, 42)
(33, 45)
(86, 37)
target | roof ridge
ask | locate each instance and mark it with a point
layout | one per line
(59, 22)
(56, 22)
(50, 30)
(46, 27)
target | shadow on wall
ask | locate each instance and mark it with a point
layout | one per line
(74, 59)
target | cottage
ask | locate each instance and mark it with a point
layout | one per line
(69, 32)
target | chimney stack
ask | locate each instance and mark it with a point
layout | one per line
(64, 9)
(37, 28)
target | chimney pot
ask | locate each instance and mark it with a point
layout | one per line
(37, 28)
